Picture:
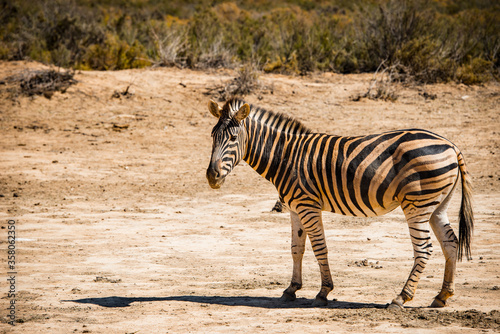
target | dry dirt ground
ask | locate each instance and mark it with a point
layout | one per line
(117, 230)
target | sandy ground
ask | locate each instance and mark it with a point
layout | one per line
(117, 230)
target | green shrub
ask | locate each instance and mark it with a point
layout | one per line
(114, 54)
(420, 59)
(477, 70)
(283, 65)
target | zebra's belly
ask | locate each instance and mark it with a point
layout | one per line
(359, 211)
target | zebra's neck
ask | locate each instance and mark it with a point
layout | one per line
(267, 136)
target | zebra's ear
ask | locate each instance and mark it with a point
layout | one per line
(242, 113)
(214, 108)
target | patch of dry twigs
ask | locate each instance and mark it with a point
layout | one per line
(40, 82)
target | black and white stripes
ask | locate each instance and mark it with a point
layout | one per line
(361, 176)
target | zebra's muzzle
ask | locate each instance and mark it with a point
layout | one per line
(217, 184)
(215, 178)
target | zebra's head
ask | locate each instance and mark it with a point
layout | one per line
(229, 139)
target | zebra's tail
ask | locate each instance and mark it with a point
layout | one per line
(466, 215)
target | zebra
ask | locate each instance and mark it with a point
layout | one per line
(362, 176)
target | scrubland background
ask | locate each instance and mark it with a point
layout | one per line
(431, 40)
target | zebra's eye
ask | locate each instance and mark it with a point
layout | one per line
(233, 138)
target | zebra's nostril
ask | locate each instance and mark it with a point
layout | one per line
(212, 173)
(215, 169)
(215, 179)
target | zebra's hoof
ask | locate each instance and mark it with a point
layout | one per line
(395, 306)
(438, 303)
(319, 302)
(287, 297)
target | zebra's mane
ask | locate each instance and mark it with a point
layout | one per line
(278, 121)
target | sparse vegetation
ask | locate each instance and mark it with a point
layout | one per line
(426, 40)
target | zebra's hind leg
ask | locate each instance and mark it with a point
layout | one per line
(449, 244)
(298, 247)
(418, 223)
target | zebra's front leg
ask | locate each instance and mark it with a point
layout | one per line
(298, 247)
(313, 225)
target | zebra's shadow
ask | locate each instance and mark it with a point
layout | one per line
(260, 302)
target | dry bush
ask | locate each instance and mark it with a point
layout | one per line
(382, 86)
(170, 46)
(216, 55)
(246, 82)
(41, 82)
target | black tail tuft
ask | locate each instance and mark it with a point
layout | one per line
(466, 225)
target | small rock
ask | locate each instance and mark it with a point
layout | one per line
(107, 280)
(120, 127)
